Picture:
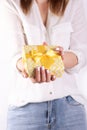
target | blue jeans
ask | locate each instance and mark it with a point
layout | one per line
(60, 114)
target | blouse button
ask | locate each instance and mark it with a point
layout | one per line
(50, 92)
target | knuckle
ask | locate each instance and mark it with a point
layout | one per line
(44, 80)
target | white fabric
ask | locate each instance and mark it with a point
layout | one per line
(68, 31)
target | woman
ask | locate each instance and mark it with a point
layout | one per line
(46, 102)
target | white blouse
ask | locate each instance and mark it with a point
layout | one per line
(68, 31)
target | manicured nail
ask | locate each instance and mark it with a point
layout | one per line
(38, 68)
(42, 67)
(57, 49)
(54, 76)
(48, 71)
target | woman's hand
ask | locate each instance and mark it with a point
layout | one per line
(60, 51)
(69, 58)
(21, 69)
(42, 75)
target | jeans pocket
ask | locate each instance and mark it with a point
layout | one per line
(71, 101)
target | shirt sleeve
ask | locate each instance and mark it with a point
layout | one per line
(78, 43)
(11, 32)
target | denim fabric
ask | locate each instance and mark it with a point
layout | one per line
(60, 114)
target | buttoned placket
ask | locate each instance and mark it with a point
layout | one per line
(45, 32)
(44, 29)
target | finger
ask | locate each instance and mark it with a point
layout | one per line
(48, 76)
(53, 77)
(62, 55)
(37, 74)
(43, 74)
(44, 43)
(33, 80)
(60, 51)
(57, 50)
(24, 74)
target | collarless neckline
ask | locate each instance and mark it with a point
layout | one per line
(39, 14)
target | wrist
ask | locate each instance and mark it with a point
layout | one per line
(70, 60)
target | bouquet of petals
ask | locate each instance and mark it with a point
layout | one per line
(42, 55)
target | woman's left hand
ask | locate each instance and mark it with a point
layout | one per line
(60, 51)
(42, 75)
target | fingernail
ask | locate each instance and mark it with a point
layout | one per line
(54, 76)
(48, 71)
(42, 67)
(38, 68)
(57, 49)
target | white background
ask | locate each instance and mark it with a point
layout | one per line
(4, 84)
